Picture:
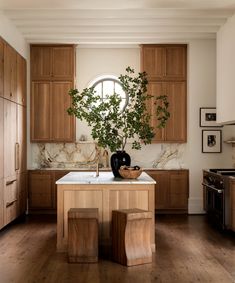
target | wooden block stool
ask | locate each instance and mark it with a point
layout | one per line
(131, 236)
(83, 235)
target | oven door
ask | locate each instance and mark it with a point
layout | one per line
(214, 205)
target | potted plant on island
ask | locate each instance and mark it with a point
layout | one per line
(110, 126)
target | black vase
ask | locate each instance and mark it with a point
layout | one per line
(119, 159)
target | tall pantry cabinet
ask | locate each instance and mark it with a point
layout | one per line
(13, 173)
(52, 76)
(166, 68)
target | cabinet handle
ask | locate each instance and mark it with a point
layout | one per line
(10, 182)
(10, 94)
(11, 203)
(17, 151)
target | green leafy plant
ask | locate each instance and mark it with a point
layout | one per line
(111, 127)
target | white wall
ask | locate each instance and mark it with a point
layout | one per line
(225, 72)
(93, 62)
(9, 33)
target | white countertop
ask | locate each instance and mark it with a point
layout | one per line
(104, 178)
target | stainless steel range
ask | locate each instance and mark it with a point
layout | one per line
(217, 196)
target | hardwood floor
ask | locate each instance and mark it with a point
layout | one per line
(188, 250)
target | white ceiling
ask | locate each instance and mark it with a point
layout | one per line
(112, 21)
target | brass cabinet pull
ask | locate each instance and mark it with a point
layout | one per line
(17, 152)
(11, 203)
(10, 182)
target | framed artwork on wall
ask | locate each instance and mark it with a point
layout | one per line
(211, 141)
(208, 117)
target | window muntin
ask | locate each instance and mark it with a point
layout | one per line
(106, 86)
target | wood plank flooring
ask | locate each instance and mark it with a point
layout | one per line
(188, 250)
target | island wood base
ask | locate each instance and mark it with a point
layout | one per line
(105, 197)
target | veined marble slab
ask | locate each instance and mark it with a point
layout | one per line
(103, 178)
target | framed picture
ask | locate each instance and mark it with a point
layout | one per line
(211, 141)
(208, 117)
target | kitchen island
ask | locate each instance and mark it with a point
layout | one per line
(85, 190)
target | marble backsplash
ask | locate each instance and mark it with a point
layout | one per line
(87, 154)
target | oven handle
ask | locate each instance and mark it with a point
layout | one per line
(213, 188)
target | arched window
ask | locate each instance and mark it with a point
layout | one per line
(108, 85)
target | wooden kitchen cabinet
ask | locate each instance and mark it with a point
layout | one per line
(166, 67)
(1, 203)
(52, 76)
(52, 62)
(10, 199)
(21, 145)
(1, 67)
(21, 80)
(164, 62)
(40, 111)
(10, 72)
(12, 134)
(22, 192)
(171, 190)
(176, 127)
(40, 190)
(62, 124)
(50, 121)
(10, 138)
(1, 137)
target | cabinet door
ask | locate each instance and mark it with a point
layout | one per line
(41, 62)
(21, 139)
(63, 126)
(1, 66)
(22, 192)
(1, 137)
(21, 80)
(10, 124)
(9, 72)
(155, 89)
(178, 190)
(40, 111)
(153, 62)
(175, 62)
(161, 188)
(40, 190)
(63, 62)
(176, 127)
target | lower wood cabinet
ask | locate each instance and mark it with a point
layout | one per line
(42, 190)
(171, 190)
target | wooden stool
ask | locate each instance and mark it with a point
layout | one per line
(131, 236)
(83, 235)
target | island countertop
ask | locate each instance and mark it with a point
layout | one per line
(103, 178)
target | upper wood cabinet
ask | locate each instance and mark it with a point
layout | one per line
(52, 76)
(40, 111)
(176, 127)
(21, 80)
(10, 71)
(164, 62)
(62, 123)
(52, 62)
(50, 121)
(166, 66)
(1, 66)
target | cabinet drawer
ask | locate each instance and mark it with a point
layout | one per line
(10, 191)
